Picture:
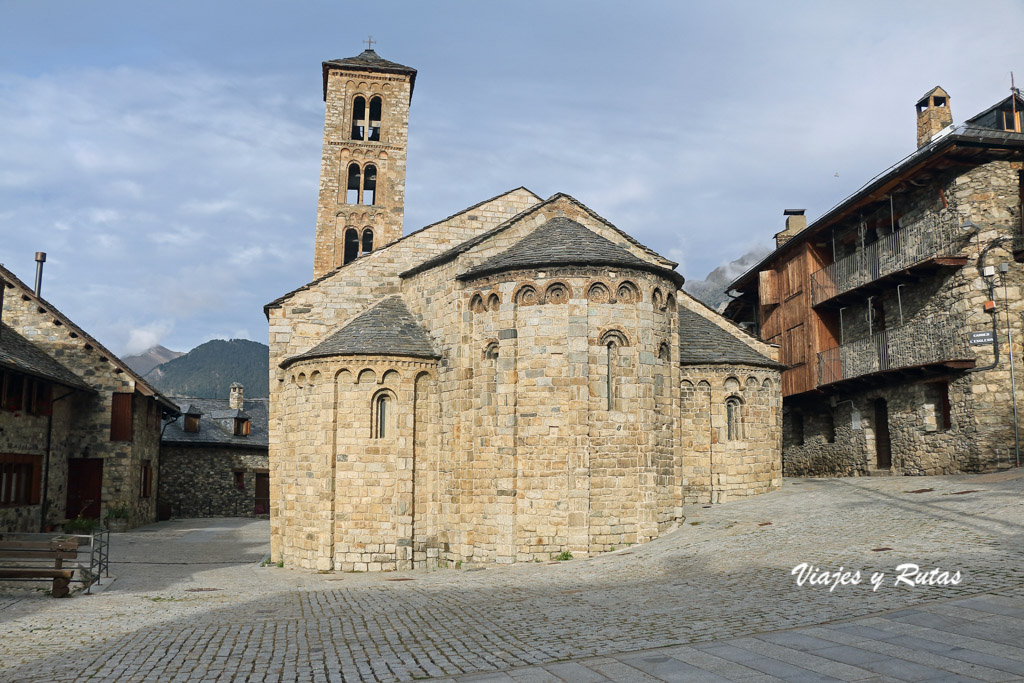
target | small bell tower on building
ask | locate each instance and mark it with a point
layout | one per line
(362, 171)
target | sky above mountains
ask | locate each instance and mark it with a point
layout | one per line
(166, 156)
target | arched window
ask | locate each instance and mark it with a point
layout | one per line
(733, 410)
(613, 341)
(352, 192)
(367, 241)
(375, 111)
(370, 185)
(351, 245)
(358, 117)
(381, 414)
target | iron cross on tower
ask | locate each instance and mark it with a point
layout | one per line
(369, 43)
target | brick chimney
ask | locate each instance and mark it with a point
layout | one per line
(237, 397)
(933, 114)
(796, 221)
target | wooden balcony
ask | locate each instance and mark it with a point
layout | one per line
(916, 347)
(931, 242)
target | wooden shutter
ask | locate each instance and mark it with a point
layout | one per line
(121, 418)
(768, 287)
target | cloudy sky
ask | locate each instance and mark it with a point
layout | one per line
(166, 155)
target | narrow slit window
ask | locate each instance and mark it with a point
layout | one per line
(381, 417)
(367, 241)
(370, 185)
(358, 117)
(375, 111)
(733, 410)
(611, 356)
(352, 188)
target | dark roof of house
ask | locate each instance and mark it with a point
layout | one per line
(701, 342)
(141, 385)
(214, 433)
(562, 242)
(21, 355)
(368, 60)
(386, 329)
(971, 134)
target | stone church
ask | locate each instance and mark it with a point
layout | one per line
(518, 380)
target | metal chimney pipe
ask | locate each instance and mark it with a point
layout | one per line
(40, 260)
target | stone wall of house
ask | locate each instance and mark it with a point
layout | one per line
(199, 481)
(939, 311)
(90, 423)
(24, 434)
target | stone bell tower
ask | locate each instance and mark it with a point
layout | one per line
(362, 172)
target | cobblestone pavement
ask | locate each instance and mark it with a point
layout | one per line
(191, 602)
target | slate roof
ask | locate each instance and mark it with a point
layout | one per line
(368, 60)
(386, 329)
(141, 385)
(21, 355)
(213, 433)
(703, 342)
(462, 248)
(561, 242)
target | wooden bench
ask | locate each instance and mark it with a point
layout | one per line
(24, 559)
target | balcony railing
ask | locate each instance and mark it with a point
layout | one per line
(915, 344)
(928, 238)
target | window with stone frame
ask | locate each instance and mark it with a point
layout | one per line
(382, 419)
(239, 480)
(937, 411)
(734, 418)
(613, 342)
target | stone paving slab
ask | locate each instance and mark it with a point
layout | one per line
(717, 597)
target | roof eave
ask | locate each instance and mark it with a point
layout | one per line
(943, 145)
(673, 275)
(405, 71)
(288, 362)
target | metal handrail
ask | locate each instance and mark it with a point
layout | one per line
(919, 342)
(932, 236)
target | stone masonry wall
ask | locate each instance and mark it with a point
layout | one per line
(940, 308)
(23, 434)
(199, 481)
(90, 424)
(388, 155)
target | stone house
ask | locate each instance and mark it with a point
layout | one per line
(77, 425)
(517, 380)
(894, 310)
(213, 458)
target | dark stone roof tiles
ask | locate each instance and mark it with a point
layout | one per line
(703, 342)
(368, 60)
(21, 355)
(386, 329)
(214, 433)
(562, 242)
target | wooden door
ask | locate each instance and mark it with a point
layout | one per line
(262, 493)
(85, 487)
(883, 445)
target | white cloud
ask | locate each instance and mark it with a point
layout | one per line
(146, 337)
